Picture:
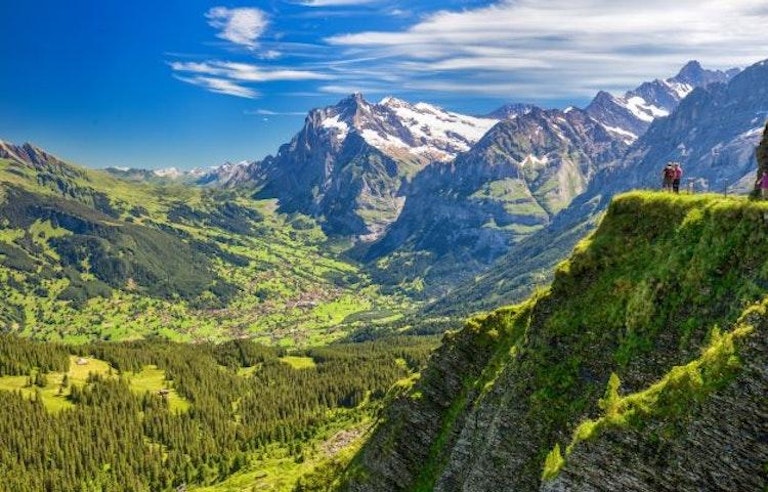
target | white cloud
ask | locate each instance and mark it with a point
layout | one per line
(267, 112)
(551, 45)
(220, 86)
(225, 77)
(526, 50)
(335, 3)
(241, 26)
(270, 55)
(246, 72)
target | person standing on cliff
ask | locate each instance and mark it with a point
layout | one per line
(667, 175)
(762, 183)
(677, 175)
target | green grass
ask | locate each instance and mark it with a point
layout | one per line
(78, 373)
(53, 396)
(299, 362)
(152, 379)
(52, 399)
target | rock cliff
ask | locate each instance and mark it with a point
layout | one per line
(643, 367)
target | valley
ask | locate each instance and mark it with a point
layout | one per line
(170, 261)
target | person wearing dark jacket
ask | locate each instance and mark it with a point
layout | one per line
(676, 177)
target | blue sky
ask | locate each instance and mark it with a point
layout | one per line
(191, 83)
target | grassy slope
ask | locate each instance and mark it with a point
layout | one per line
(652, 297)
(283, 286)
(150, 379)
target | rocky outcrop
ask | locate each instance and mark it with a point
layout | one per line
(721, 444)
(421, 426)
(644, 296)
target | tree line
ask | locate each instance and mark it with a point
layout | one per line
(113, 438)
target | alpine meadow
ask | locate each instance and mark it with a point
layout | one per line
(356, 245)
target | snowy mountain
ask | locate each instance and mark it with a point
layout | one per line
(348, 163)
(630, 115)
(403, 130)
(527, 170)
(508, 186)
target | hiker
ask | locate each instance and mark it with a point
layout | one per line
(667, 175)
(762, 183)
(677, 174)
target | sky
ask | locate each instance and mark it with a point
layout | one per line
(191, 83)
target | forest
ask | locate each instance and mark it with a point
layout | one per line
(80, 420)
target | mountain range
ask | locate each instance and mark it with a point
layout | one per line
(420, 190)
(444, 206)
(713, 133)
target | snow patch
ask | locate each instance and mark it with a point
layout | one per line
(629, 137)
(435, 134)
(752, 133)
(644, 111)
(337, 124)
(680, 89)
(379, 140)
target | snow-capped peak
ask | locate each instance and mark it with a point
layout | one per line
(399, 128)
(628, 116)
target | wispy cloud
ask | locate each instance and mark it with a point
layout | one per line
(241, 26)
(555, 44)
(335, 3)
(226, 77)
(529, 50)
(220, 86)
(246, 72)
(267, 112)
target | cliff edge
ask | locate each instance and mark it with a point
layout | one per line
(643, 368)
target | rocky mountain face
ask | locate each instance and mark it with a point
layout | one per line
(510, 111)
(349, 161)
(635, 371)
(512, 182)
(28, 154)
(713, 132)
